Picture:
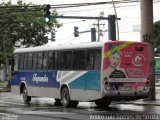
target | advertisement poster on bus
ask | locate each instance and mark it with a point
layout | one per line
(125, 66)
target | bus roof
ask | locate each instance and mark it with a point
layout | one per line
(55, 47)
(70, 46)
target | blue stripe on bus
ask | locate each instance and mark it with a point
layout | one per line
(39, 79)
(88, 81)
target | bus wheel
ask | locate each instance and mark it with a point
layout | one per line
(101, 103)
(26, 98)
(58, 102)
(65, 97)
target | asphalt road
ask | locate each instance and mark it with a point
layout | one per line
(13, 108)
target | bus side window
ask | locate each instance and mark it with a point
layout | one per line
(40, 61)
(97, 59)
(45, 59)
(75, 60)
(16, 62)
(50, 60)
(34, 61)
(30, 61)
(56, 60)
(90, 59)
(65, 60)
(21, 61)
(25, 61)
(82, 57)
(79, 59)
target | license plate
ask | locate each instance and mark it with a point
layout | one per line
(128, 88)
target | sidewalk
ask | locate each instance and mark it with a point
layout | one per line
(5, 89)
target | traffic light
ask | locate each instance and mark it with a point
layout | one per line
(93, 34)
(53, 36)
(76, 31)
(47, 13)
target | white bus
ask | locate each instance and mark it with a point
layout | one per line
(99, 71)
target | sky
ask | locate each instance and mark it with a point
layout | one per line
(129, 14)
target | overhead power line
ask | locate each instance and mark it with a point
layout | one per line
(71, 5)
(89, 4)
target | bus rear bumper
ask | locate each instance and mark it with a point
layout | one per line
(126, 95)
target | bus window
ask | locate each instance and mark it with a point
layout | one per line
(30, 61)
(34, 61)
(97, 59)
(75, 60)
(40, 61)
(56, 60)
(65, 60)
(16, 62)
(45, 59)
(25, 61)
(21, 61)
(50, 60)
(90, 59)
(79, 59)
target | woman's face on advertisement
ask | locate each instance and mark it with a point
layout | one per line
(115, 60)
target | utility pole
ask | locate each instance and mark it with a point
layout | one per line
(147, 36)
(98, 26)
(112, 27)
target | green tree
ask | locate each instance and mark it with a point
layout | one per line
(23, 25)
(156, 34)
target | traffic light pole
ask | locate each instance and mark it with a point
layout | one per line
(81, 17)
(111, 23)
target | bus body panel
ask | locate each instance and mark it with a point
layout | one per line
(125, 69)
(47, 84)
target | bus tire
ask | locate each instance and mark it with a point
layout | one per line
(101, 103)
(65, 98)
(58, 102)
(26, 98)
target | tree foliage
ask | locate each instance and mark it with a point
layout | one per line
(156, 34)
(23, 25)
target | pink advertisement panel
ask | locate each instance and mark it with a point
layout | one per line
(125, 66)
